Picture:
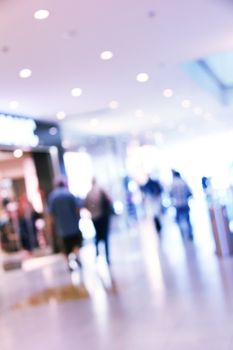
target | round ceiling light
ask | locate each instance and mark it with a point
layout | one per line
(106, 55)
(113, 104)
(60, 115)
(168, 93)
(41, 14)
(18, 153)
(25, 73)
(186, 104)
(142, 77)
(76, 92)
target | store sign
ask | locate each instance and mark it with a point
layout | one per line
(16, 131)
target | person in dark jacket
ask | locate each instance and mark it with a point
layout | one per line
(99, 204)
(65, 214)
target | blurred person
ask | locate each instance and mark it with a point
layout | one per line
(9, 240)
(154, 189)
(180, 194)
(27, 217)
(99, 204)
(130, 188)
(64, 215)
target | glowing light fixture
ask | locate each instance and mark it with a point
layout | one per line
(142, 77)
(76, 92)
(60, 115)
(113, 104)
(41, 14)
(106, 55)
(25, 73)
(18, 153)
(168, 93)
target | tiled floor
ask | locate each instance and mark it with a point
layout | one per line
(164, 294)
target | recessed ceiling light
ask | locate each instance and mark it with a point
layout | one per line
(61, 115)
(25, 73)
(113, 104)
(198, 111)
(14, 104)
(186, 104)
(18, 153)
(142, 77)
(76, 92)
(106, 55)
(168, 93)
(41, 14)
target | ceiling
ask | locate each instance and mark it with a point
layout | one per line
(151, 36)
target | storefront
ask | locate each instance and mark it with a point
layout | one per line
(31, 156)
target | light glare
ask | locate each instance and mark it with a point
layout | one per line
(168, 93)
(25, 73)
(60, 115)
(106, 55)
(41, 14)
(113, 104)
(76, 92)
(18, 153)
(142, 77)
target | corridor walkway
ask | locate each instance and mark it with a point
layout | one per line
(161, 294)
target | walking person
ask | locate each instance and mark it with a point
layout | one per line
(154, 190)
(180, 194)
(99, 205)
(65, 214)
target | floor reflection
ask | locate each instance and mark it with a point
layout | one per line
(163, 293)
(53, 296)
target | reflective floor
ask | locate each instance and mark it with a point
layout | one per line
(160, 294)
